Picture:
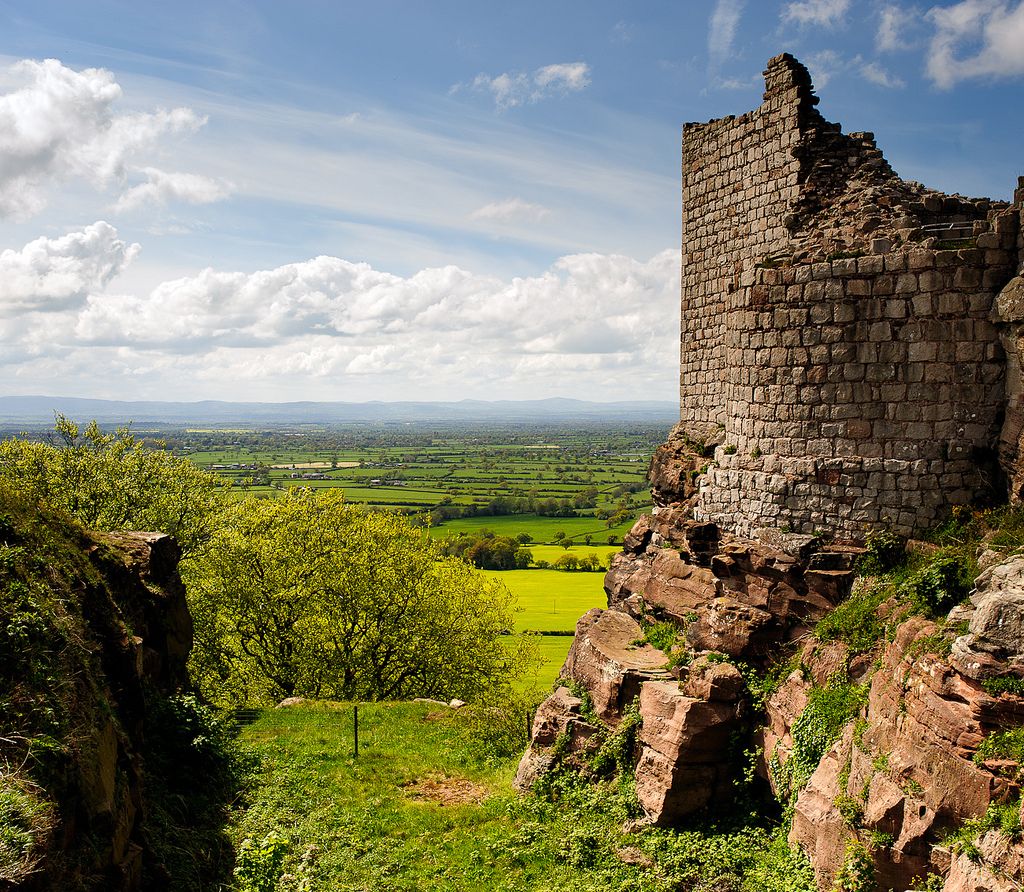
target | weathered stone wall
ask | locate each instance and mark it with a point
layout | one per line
(837, 326)
(740, 175)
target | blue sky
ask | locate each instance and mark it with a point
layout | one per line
(406, 200)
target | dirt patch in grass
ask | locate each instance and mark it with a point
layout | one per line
(445, 790)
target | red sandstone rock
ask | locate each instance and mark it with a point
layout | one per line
(606, 659)
(732, 595)
(684, 756)
(1000, 867)
(560, 714)
(912, 768)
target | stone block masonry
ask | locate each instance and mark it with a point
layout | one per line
(839, 334)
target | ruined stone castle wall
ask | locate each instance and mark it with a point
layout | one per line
(739, 177)
(847, 393)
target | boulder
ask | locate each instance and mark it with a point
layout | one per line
(994, 643)
(559, 715)
(685, 753)
(717, 682)
(608, 659)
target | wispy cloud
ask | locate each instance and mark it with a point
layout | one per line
(725, 19)
(827, 64)
(894, 23)
(825, 13)
(511, 89)
(993, 27)
(823, 66)
(512, 209)
(162, 187)
(877, 74)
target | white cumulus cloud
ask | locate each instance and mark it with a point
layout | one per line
(976, 39)
(826, 13)
(510, 89)
(589, 323)
(58, 273)
(59, 124)
(162, 187)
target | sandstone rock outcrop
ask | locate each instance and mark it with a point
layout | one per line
(111, 634)
(686, 760)
(737, 596)
(609, 659)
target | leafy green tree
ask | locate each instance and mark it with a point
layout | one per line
(309, 596)
(112, 481)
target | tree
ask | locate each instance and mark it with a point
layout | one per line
(112, 481)
(307, 595)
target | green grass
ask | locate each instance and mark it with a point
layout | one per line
(552, 650)
(357, 825)
(378, 823)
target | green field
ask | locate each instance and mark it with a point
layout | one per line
(542, 529)
(524, 472)
(551, 600)
(551, 651)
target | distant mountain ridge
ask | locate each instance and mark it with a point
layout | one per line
(41, 409)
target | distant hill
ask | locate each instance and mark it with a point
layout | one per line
(34, 410)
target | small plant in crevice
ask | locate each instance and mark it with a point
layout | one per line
(857, 873)
(617, 753)
(855, 622)
(1004, 684)
(587, 708)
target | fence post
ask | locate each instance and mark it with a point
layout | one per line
(355, 729)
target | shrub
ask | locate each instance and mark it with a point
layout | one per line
(942, 583)
(855, 622)
(885, 550)
(260, 864)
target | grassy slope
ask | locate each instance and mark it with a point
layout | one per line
(363, 824)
